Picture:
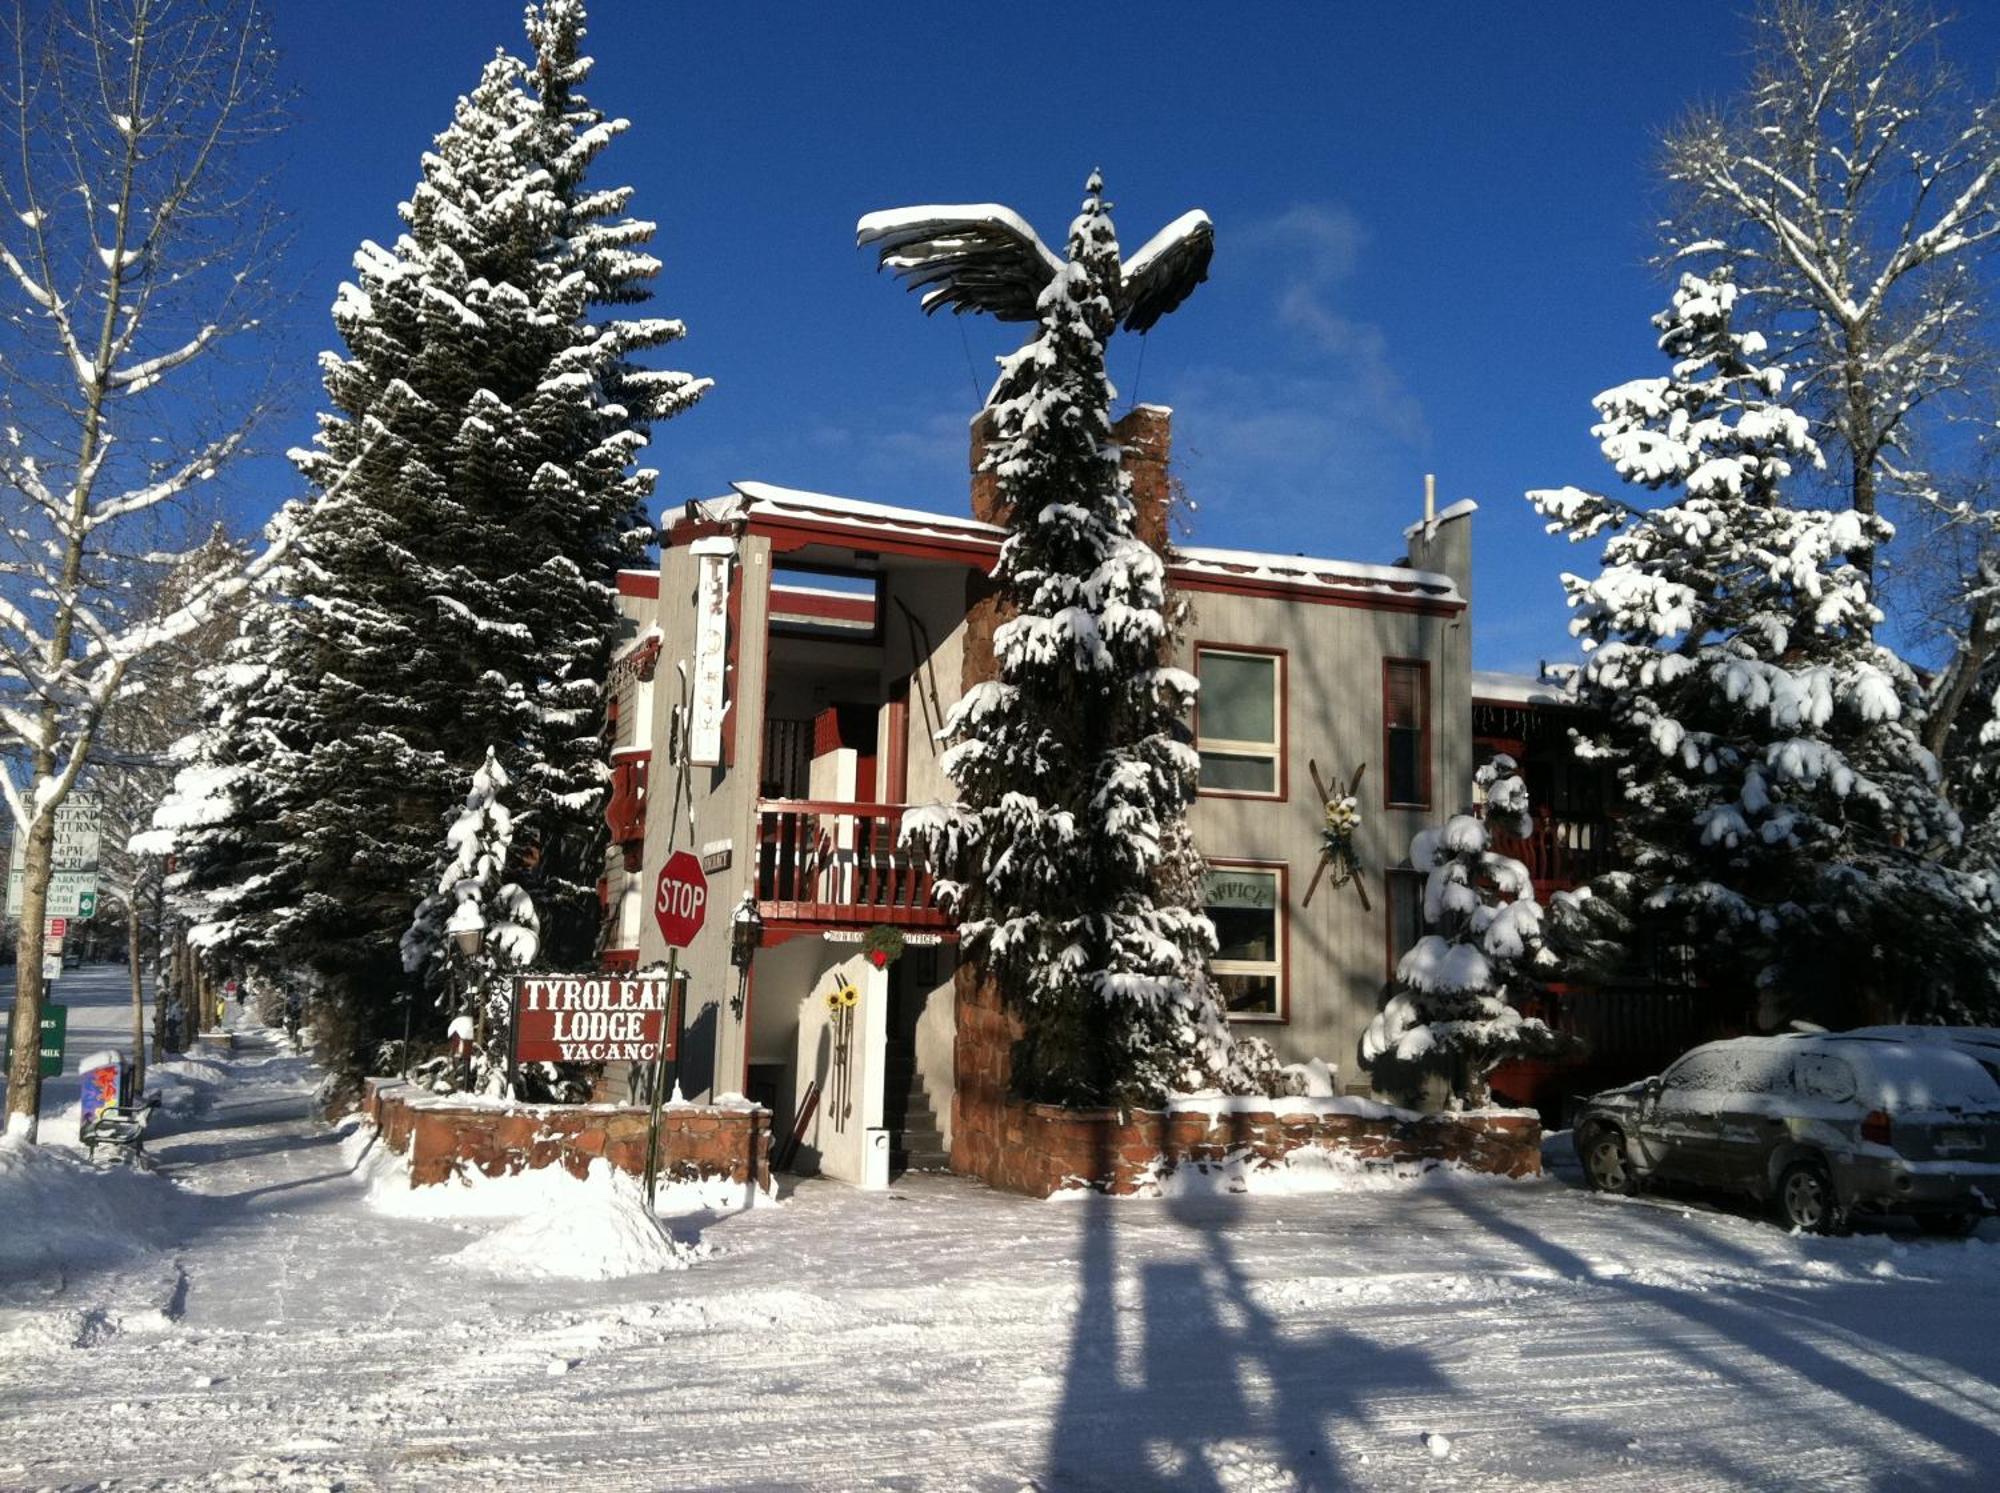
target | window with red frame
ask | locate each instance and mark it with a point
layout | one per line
(1406, 733)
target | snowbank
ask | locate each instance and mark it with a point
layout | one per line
(60, 1209)
(600, 1231)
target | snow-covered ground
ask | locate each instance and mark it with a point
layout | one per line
(248, 1319)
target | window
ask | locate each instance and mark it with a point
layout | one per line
(1406, 733)
(1405, 912)
(1246, 904)
(1239, 721)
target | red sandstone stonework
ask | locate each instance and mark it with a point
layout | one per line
(698, 1143)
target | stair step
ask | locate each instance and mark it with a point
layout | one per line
(918, 1161)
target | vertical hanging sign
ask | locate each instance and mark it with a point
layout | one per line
(711, 649)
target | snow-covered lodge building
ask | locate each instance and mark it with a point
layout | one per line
(809, 648)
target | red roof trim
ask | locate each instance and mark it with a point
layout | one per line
(642, 583)
(788, 533)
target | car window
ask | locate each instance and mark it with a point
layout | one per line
(1731, 1070)
(1702, 1069)
(1822, 1076)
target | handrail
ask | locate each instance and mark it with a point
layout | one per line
(829, 861)
(831, 806)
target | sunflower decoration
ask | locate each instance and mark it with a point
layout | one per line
(1337, 853)
(843, 997)
(883, 945)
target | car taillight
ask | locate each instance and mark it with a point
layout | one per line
(1875, 1128)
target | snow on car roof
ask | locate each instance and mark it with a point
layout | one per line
(1894, 1074)
(752, 498)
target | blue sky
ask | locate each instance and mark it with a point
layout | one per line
(1432, 226)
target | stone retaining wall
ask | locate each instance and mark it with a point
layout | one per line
(1039, 1149)
(698, 1142)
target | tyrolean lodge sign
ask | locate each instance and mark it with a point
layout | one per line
(594, 1018)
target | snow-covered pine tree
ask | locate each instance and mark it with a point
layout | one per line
(458, 591)
(474, 895)
(1068, 766)
(217, 820)
(1781, 818)
(1451, 1011)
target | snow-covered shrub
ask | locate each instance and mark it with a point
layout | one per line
(1450, 1012)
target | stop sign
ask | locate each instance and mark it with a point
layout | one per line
(680, 902)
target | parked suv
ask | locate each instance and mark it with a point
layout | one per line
(1822, 1126)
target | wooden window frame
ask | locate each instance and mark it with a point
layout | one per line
(1425, 743)
(1282, 718)
(1283, 909)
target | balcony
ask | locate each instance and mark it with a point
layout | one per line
(1560, 853)
(626, 810)
(838, 865)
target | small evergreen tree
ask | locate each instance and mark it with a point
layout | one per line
(1450, 1012)
(475, 896)
(1781, 819)
(1069, 769)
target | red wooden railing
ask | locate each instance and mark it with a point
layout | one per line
(626, 810)
(839, 863)
(1560, 853)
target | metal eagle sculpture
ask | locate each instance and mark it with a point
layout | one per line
(981, 256)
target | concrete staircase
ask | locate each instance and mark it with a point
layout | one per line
(908, 1114)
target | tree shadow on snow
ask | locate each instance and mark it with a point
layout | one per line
(1830, 1335)
(1190, 1383)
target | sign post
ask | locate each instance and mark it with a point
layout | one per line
(680, 906)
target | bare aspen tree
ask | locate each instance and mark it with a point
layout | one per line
(136, 246)
(1855, 191)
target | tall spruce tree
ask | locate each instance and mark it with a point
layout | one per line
(453, 585)
(1781, 819)
(1069, 766)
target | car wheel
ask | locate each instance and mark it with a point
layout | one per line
(1607, 1165)
(1807, 1201)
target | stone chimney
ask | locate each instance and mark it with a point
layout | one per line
(1145, 435)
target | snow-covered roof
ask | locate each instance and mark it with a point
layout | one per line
(764, 499)
(1519, 689)
(767, 498)
(1337, 575)
(1463, 508)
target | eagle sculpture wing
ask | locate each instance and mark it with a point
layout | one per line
(1166, 270)
(976, 256)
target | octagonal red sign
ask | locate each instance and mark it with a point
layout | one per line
(680, 901)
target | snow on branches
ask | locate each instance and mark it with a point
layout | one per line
(475, 903)
(1451, 1012)
(1065, 855)
(1782, 817)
